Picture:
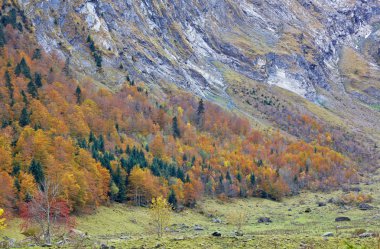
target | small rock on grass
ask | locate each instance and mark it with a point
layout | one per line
(198, 228)
(264, 220)
(339, 219)
(328, 234)
(365, 206)
(321, 204)
(366, 235)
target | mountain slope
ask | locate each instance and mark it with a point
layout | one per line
(130, 145)
(324, 51)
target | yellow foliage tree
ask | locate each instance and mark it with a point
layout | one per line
(160, 212)
(2, 220)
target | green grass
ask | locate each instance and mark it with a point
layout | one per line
(129, 227)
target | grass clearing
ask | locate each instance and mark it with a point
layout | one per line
(129, 227)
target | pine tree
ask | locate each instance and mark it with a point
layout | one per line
(101, 144)
(128, 150)
(176, 131)
(252, 179)
(12, 18)
(95, 53)
(200, 113)
(91, 137)
(37, 80)
(172, 199)
(23, 68)
(24, 118)
(32, 89)
(91, 43)
(238, 177)
(78, 94)
(24, 98)
(9, 85)
(180, 174)
(120, 183)
(187, 178)
(3, 39)
(98, 59)
(36, 170)
(228, 177)
(37, 54)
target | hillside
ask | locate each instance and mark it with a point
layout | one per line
(99, 144)
(319, 58)
(104, 132)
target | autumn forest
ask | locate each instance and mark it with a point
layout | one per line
(102, 146)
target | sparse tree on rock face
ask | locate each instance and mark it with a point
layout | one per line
(200, 113)
(160, 212)
(78, 94)
(47, 210)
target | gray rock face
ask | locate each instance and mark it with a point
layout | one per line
(325, 51)
(293, 44)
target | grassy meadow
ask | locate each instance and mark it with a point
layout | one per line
(124, 226)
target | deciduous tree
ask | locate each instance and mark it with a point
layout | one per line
(48, 210)
(3, 225)
(160, 212)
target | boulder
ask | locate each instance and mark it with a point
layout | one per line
(180, 208)
(355, 189)
(183, 226)
(339, 219)
(366, 235)
(239, 233)
(10, 242)
(77, 232)
(264, 220)
(328, 234)
(216, 220)
(365, 206)
(179, 238)
(307, 210)
(216, 234)
(321, 204)
(104, 246)
(60, 243)
(198, 228)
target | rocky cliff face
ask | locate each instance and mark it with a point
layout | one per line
(325, 51)
(293, 44)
